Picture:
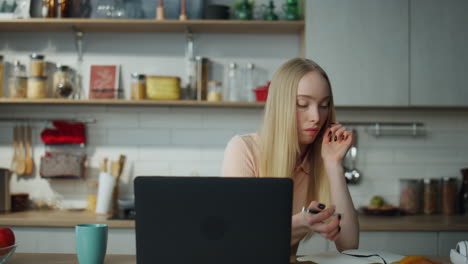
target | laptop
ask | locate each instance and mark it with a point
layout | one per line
(213, 220)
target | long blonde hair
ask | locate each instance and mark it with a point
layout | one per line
(279, 142)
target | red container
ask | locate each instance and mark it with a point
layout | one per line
(261, 92)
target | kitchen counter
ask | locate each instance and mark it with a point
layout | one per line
(367, 223)
(22, 258)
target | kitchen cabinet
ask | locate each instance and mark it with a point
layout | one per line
(439, 53)
(363, 46)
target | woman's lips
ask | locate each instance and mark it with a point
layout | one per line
(312, 131)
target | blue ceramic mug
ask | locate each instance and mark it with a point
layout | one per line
(91, 243)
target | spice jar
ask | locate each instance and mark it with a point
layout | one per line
(449, 190)
(36, 87)
(410, 195)
(36, 65)
(91, 197)
(430, 196)
(63, 87)
(17, 86)
(1, 76)
(201, 77)
(214, 91)
(138, 86)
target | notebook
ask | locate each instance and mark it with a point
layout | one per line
(212, 220)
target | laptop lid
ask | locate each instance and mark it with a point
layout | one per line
(213, 220)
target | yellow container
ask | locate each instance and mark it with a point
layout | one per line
(162, 87)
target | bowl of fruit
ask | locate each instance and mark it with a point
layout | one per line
(378, 207)
(7, 244)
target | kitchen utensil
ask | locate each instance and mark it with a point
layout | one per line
(117, 167)
(20, 161)
(353, 175)
(5, 199)
(9, 252)
(28, 159)
(105, 190)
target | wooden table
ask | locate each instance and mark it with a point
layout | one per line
(41, 258)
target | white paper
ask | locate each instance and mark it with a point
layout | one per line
(105, 190)
(336, 257)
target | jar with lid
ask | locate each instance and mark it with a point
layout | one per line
(1, 76)
(214, 91)
(430, 196)
(37, 87)
(138, 86)
(448, 193)
(17, 86)
(63, 87)
(410, 195)
(463, 195)
(36, 65)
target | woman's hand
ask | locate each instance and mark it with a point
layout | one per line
(304, 223)
(336, 143)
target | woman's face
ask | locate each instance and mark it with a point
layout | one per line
(312, 103)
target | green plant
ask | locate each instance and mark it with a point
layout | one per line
(239, 4)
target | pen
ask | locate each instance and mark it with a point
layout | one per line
(313, 211)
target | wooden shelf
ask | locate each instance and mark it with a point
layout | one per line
(147, 25)
(187, 103)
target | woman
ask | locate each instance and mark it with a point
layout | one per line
(300, 139)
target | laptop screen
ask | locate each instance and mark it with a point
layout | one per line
(213, 220)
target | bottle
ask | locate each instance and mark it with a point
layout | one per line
(48, 8)
(63, 8)
(233, 89)
(201, 78)
(463, 196)
(138, 86)
(91, 196)
(250, 84)
(63, 87)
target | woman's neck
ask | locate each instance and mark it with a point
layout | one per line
(303, 150)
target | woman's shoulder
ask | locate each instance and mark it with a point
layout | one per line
(249, 141)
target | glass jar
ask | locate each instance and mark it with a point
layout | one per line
(36, 65)
(138, 86)
(448, 193)
(63, 87)
(1, 76)
(214, 91)
(18, 69)
(17, 86)
(37, 87)
(91, 196)
(410, 195)
(430, 196)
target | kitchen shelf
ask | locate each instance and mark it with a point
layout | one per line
(147, 25)
(188, 103)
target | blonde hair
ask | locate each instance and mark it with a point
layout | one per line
(279, 142)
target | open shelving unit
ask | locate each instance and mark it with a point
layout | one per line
(187, 103)
(147, 25)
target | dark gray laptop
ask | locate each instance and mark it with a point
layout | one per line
(213, 220)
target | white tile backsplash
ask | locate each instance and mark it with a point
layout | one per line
(191, 141)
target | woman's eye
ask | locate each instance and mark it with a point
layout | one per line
(324, 106)
(302, 105)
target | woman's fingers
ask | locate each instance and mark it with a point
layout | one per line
(320, 217)
(327, 227)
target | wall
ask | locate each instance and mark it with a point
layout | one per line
(190, 141)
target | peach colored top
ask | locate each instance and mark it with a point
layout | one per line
(241, 159)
